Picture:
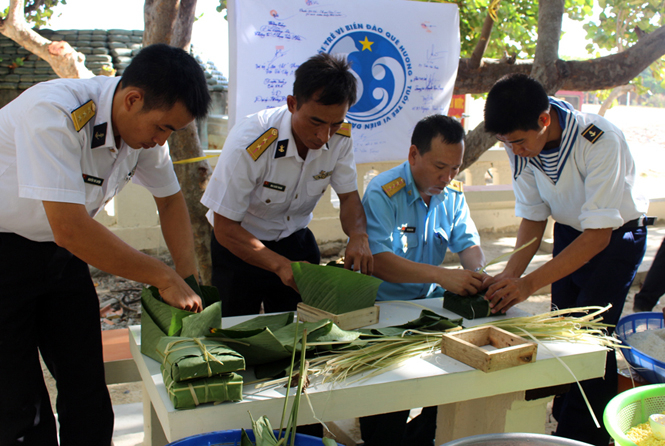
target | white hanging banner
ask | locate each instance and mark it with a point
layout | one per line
(404, 55)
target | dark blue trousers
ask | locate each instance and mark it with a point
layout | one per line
(243, 287)
(654, 284)
(49, 306)
(603, 280)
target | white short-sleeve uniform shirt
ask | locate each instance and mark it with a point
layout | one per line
(44, 158)
(587, 183)
(274, 195)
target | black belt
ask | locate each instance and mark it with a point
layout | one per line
(639, 222)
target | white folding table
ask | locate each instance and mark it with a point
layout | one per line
(470, 401)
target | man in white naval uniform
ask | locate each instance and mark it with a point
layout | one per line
(66, 148)
(274, 168)
(576, 167)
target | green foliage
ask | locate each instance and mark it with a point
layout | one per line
(38, 12)
(516, 30)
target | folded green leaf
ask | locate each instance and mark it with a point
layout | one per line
(159, 319)
(335, 290)
(192, 358)
(427, 321)
(263, 433)
(191, 393)
(469, 307)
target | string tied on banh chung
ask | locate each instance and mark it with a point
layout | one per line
(207, 356)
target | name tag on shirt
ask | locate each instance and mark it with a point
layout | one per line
(408, 229)
(92, 180)
(275, 186)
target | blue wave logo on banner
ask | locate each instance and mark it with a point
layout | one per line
(381, 71)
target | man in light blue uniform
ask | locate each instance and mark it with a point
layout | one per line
(416, 211)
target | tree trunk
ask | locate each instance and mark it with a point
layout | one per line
(65, 61)
(170, 21)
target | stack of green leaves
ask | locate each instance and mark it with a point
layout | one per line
(191, 393)
(266, 339)
(192, 358)
(159, 319)
(335, 290)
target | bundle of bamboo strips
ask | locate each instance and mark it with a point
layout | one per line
(578, 325)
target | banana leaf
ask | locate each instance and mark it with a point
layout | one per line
(263, 345)
(159, 319)
(191, 393)
(335, 290)
(191, 358)
(427, 321)
(469, 307)
(271, 321)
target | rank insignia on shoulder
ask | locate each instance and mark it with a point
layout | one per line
(98, 135)
(456, 186)
(92, 180)
(344, 130)
(592, 133)
(394, 186)
(281, 148)
(279, 187)
(82, 115)
(260, 145)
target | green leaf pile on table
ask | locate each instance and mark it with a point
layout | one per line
(196, 369)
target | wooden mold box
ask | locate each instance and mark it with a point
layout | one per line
(510, 350)
(345, 321)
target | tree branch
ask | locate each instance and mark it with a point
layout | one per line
(607, 103)
(602, 73)
(477, 56)
(65, 61)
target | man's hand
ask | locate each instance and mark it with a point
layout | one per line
(461, 281)
(179, 295)
(358, 255)
(506, 291)
(285, 273)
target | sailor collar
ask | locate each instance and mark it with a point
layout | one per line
(569, 129)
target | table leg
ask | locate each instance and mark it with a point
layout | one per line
(153, 434)
(474, 417)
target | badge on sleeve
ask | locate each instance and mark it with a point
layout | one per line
(98, 135)
(592, 133)
(260, 145)
(82, 115)
(394, 186)
(344, 130)
(281, 148)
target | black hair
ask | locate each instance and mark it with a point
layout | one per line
(168, 75)
(515, 102)
(330, 75)
(428, 128)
